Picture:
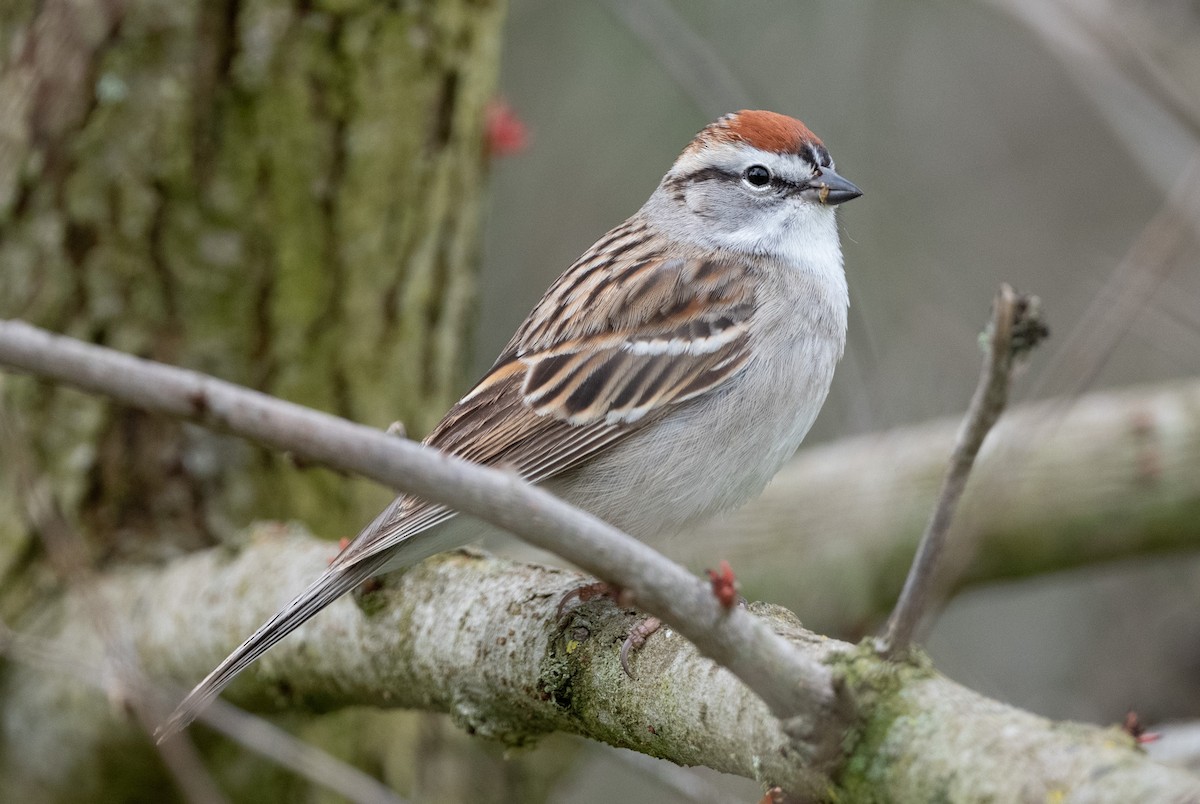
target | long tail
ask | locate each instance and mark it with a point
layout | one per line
(334, 583)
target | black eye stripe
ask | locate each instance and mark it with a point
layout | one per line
(678, 183)
(703, 174)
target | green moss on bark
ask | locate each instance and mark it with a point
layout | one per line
(285, 196)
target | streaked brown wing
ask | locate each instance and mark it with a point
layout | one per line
(602, 355)
(587, 381)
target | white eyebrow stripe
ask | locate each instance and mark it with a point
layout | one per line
(733, 158)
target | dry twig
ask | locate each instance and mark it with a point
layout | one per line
(250, 731)
(1016, 328)
(787, 681)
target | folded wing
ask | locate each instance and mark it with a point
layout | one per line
(604, 354)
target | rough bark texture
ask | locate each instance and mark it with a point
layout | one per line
(480, 638)
(468, 635)
(284, 194)
(926, 738)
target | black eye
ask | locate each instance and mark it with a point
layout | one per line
(757, 175)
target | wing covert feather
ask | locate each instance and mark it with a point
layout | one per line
(604, 353)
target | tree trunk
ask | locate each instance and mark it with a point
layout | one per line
(284, 194)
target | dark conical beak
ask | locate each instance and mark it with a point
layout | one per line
(831, 189)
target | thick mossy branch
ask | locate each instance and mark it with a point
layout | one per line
(479, 638)
(472, 636)
(929, 739)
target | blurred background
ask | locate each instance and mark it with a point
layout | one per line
(1028, 142)
(987, 153)
(284, 194)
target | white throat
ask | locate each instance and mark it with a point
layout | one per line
(805, 239)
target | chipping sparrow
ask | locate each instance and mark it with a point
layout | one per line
(664, 377)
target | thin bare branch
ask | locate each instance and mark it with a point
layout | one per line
(53, 660)
(66, 552)
(789, 682)
(1016, 327)
(684, 54)
(1128, 289)
(304, 760)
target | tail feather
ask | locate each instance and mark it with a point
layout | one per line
(334, 583)
(397, 538)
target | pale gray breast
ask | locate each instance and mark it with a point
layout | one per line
(719, 450)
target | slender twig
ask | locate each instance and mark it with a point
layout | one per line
(684, 784)
(686, 56)
(266, 739)
(1015, 327)
(66, 551)
(787, 681)
(249, 731)
(1128, 290)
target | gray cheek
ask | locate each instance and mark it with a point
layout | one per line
(726, 208)
(699, 200)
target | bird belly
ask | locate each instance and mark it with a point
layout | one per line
(713, 453)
